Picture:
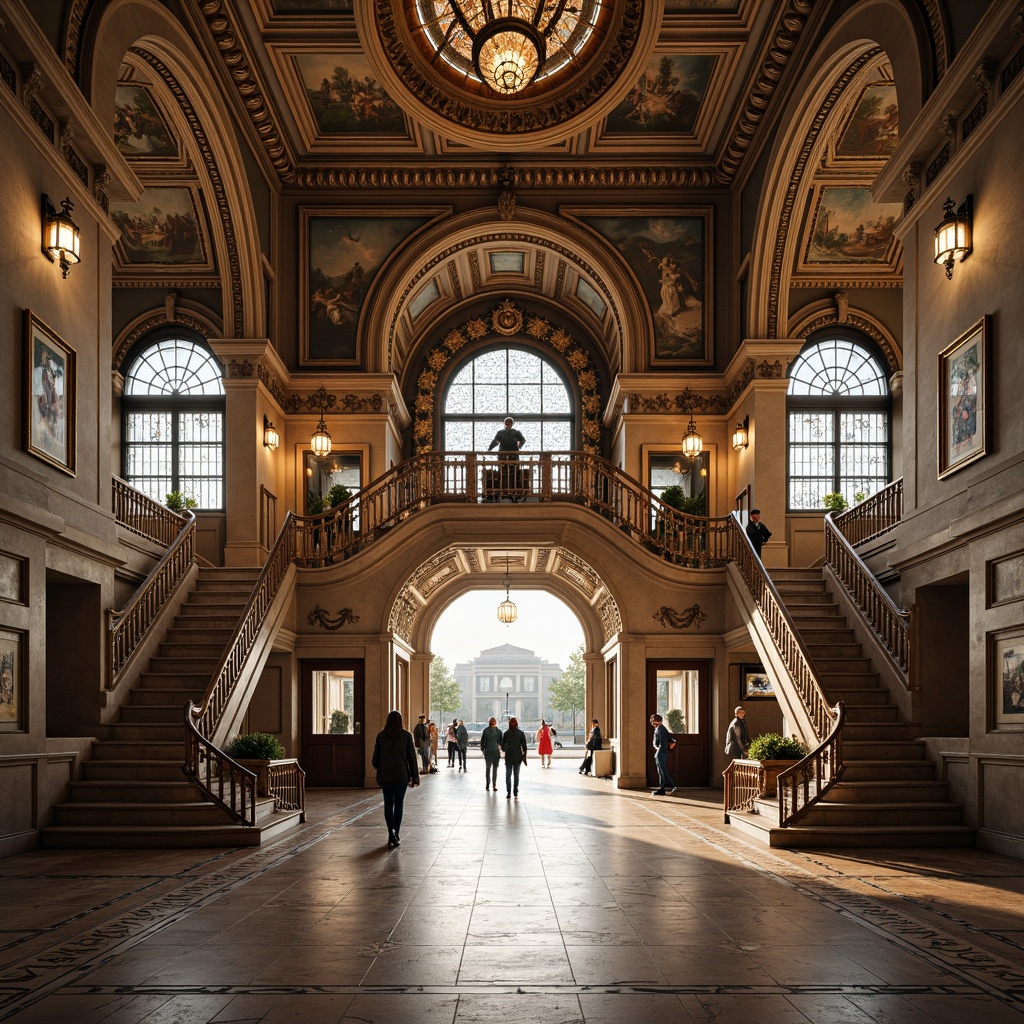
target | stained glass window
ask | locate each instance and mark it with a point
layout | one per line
(173, 408)
(839, 419)
(514, 382)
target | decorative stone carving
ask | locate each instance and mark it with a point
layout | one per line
(691, 616)
(947, 125)
(842, 306)
(912, 179)
(506, 197)
(240, 369)
(100, 181)
(319, 617)
(984, 75)
(896, 384)
(31, 82)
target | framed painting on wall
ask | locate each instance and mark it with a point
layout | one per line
(963, 399)
(755, 683)
(1006, 675)
(50, 412)
(12, 675)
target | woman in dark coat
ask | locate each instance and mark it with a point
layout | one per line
(394, 757)
(594, 742)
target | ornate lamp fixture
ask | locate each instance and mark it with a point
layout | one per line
(741, 435)
(693, 443)
(320, 442)
(271, 438)
(62, 241)
(509, 40)
(953, 242)
(507, 611)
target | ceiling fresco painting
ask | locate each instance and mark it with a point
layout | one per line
(667, 97)
(139, 128)
(163, 227)
(849, 227)
(345, 98)
(670, 256)
(343, 255)
(874, 127)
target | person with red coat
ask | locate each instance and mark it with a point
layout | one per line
(544, 747)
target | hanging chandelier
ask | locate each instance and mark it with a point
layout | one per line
(507, 42)
(693, 443)
(320, 442)
(507, 611)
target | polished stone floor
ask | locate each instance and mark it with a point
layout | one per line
(574, 903)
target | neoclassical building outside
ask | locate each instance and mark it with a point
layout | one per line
(317, 250)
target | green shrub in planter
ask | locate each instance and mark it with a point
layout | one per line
(256, 746)
(772, 747)
(178, 501)
(676, 720)
(835, 502)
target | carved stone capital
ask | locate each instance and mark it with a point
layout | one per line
(896, 384)
(984, 75)
(912, 178)
(948, 126)
(31, 82)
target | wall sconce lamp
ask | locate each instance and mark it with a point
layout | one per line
(693, 443)
(741, 435)
(271, 438)
(62, 241)
(320, 442)
(953, 243)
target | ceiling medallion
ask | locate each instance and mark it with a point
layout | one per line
(507, 318)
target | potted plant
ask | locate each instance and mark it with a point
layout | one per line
(257, 751)
(835, 502)
(178, 501)
(774, 753)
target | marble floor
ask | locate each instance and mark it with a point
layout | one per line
(574, 903)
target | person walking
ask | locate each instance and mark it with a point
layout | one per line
(462, 739)
(394, 757)
(757, 531)
(490, 744)
(513, 744)
(432, 730)
(594, 742)
(660, 742)
(453, 743)
(421, 738)
(544, 747)
(737, 736)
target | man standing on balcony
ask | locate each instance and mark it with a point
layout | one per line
(508, 442)
(757, 531)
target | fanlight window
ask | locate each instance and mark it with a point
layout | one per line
(508, 382)
(839, 423)
(174, 422)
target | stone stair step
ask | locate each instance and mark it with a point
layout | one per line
(852, 836)
(174, 648)
(864, 713)
(163, 714)
(198, 634)
(882, 750)
(832, 636)
(173, 680)
(889, 790)
(133, 770)
(219, 600)
(786, 573)
(880, 731)
(165, 696)
(101, 791)
(117, 815)
(833, 652)
(184, 665)
(868, 815)
(807, 601)
(137, 750)
(886, 770)
(147, 732)
(845, 666)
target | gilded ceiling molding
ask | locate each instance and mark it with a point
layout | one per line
(521, 116)
(226, 36)
(205, 152)
(270, 381)
(504, 320)
(349, 403)
(777, 55)
(202, 321)
(795, 184)
(505, 237)
(689, 401)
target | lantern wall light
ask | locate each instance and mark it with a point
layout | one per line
(507, 611)
(953, 241)
(62, 241)
(693, 443)
(741, 435)
(271, 438)
(320, 442)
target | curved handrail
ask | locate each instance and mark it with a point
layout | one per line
(474, 477)
(783, 632)
(228, 672)
(127, 628)
(139, 513)
(802, 785)
(878, 514)
(224, 781)
(890, 623)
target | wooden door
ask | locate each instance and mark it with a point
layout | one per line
(332, 723)
(679, 691)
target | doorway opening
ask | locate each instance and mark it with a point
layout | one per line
(679, 691)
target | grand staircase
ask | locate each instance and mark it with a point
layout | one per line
(888, 795)
(133, 792)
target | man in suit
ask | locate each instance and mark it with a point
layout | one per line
(757, 531)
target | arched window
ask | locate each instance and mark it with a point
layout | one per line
(839, 413)
(504, 382)
(173, 407)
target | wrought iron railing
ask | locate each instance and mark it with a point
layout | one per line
(890, 623)
(801, 785)
(126, 629)
(472, 477)
(744, 783)
(876, 515)
(231, 666)
(139, 513)
(223, 780)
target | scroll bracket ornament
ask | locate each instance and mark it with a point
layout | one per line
(691, 616)
(321, 617)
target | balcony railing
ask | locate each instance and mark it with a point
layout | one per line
(139, 513)
(874, 516)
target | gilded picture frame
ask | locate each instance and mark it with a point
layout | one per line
(1006, 676)
(755, 683)
(50, 421)
(12, 680)
(963, 406)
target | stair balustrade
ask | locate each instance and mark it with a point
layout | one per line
(127, 628)
(223, 780)
(801, 785)
(873, 516)
(890, 624)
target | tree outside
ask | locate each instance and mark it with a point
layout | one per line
(568, 693)
(445, 692)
